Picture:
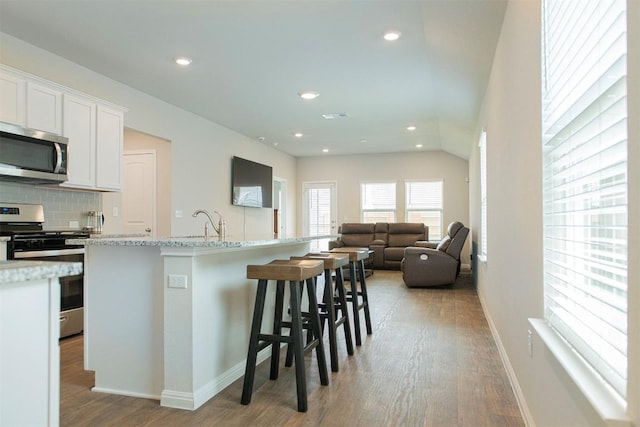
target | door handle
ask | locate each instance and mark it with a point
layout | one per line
(148, 229)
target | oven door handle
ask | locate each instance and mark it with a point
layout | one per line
(51, 253)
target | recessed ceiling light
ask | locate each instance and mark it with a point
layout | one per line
(363, 140)
(309, 94)
(331, 116)
(298, 134)
(275, 144)
(183, 60)
(418, 145)
(261, 138)
(325, 150)
(411, 128)
(392, 35)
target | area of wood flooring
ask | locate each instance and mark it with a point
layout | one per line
(431, 361)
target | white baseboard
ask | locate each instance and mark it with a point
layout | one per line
(192, 401)
(515, 385)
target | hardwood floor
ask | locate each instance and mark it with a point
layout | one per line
(431, 361)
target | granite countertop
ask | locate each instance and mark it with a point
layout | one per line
(188, 241)
(23, 271)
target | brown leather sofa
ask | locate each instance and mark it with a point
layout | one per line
(387, 240)
(435, 265)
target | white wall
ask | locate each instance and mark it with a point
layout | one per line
(201, 149)
(350, 171)
(510, 283)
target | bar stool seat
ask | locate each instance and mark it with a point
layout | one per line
(296, 272)
(334, 308)
(359, 298)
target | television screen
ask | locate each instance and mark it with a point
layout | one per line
(252, 183)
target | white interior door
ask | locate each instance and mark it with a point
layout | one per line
(139, 192)
(319, 210)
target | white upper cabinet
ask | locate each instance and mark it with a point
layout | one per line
(13, 97)
(79, 125)
(94, 127)
(44, 108)
(109, 149)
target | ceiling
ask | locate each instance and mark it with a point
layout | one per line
(251, 58)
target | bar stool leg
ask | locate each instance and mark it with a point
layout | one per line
(344, 310)
(365, 298)
(277, 330)
(317, 332)
(250, 370)
(298, 345)
(354, 301)
(331, 320)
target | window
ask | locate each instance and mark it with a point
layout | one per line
(483, 196)
(319, 212)
(378, 202)
(585, 180)
(424, 204)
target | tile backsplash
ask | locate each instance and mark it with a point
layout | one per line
(61, 207)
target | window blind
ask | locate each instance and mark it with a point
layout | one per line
(585, 180)
(483, 194)
(378, 202)
(423, 201)
(319, 211)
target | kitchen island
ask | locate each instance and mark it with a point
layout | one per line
(29, 332)
(169, 319)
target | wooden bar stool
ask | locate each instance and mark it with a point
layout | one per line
(334, 308)
(357, 256)
(296, 272)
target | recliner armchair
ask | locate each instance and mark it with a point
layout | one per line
(433, 264)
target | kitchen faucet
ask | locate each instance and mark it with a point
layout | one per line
(220, 229)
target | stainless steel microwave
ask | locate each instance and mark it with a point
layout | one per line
(32, 155)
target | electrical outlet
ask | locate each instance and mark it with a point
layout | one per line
(114, 211)
(178, 281)
(178, 214)
(530, 342)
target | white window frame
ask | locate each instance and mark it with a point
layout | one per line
(426, 206)
(369, 206)
(585, 191)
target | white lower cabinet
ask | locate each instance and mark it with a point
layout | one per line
(30, 356)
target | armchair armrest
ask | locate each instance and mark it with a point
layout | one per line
(425, 244)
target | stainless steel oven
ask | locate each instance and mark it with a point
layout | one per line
(23, 223)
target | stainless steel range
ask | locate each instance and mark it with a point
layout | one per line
(24, 224)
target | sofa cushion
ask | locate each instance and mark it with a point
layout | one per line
(393, 254)
(402, 234)
(357, 234)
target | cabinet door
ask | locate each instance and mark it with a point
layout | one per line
(44, 108)
(12, 99)
(109, 149)
(79, 125)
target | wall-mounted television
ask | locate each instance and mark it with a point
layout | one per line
(251, 183)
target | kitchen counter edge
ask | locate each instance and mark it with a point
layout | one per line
(189, 241)
(24, 271)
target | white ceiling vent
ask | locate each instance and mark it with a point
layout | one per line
(332, 116)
